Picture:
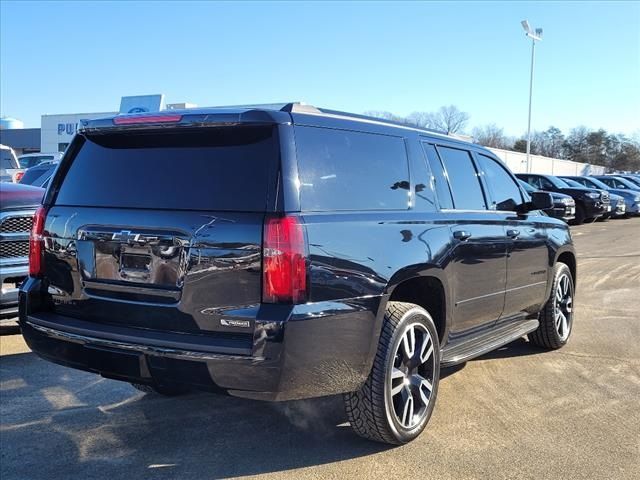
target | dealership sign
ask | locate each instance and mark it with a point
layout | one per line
(68, 128)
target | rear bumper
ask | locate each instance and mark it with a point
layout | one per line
(11, 276)
(320, 349)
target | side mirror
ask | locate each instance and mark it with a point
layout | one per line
(541, 201)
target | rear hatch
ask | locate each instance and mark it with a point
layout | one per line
(161, 230)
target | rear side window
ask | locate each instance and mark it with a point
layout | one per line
(441, 184)
(7, 160)
(504, 190)
(225, 168)
(347, 170)
(463, 177)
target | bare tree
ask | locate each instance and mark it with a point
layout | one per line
(448, 119)
(491, 136)
(424, 119)
(383, 114)
(452, 120)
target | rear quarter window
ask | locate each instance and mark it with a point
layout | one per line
(226, 168)
(348, 170)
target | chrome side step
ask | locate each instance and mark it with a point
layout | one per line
(465, 350)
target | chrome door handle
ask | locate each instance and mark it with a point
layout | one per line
(513, 233)
(461, 235)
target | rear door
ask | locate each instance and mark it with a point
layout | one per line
(527, 252)
(479, 250)
(161, 230)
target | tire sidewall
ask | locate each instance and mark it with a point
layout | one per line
(562, 269)
(413, 316)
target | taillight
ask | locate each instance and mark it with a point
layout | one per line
(36, 240)
(19, 176)
(284, 262)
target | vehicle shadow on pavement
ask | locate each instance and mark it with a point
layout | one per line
(62, 423)
(78, 425)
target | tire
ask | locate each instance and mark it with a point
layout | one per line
(579, 219)
(381, 409)
(166, 390)
(554, 332)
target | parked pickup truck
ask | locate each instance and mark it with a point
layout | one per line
(10, 171)
(297, 252)
(17, 205)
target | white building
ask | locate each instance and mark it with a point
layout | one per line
(56, 131)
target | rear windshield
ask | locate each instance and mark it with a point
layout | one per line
(223, 168)
(26, 162)
(31, 176)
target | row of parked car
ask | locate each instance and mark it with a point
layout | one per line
(14, 169)
(579, 199)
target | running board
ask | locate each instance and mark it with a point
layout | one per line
(486, 342)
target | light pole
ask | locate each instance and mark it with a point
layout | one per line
(533, 35)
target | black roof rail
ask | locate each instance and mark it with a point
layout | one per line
(298, 107)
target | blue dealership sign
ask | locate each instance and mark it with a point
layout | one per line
(142, 103)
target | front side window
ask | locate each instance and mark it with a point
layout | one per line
(504, 190)
(582, 181)
(347, 170)
(463, 178)
(540, 183)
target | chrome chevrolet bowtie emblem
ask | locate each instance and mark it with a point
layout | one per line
(125, 236)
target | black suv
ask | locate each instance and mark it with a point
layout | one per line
(591, 203)
(287, 253)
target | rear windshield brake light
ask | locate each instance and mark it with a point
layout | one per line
(147, 119)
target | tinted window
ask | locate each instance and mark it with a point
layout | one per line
(527, 188)
(463, 177)
(440, 183)
(26, 162)
(593, 182)
(7, 160)
(423, 196)
(572, 183)
(345, 170)
(32, 175)
(504, 190)
(540, 183)
(610, 181)
(212, 169)
(583, 182)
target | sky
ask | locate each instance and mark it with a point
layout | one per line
(77, 57)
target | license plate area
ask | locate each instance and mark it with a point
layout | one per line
(135, 263)
(114, 362)
(153, 259)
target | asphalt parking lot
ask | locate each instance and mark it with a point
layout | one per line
(516, 413)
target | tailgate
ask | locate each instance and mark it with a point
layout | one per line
(162, 230)
(173, 271)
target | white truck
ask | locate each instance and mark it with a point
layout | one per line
(10, 170)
